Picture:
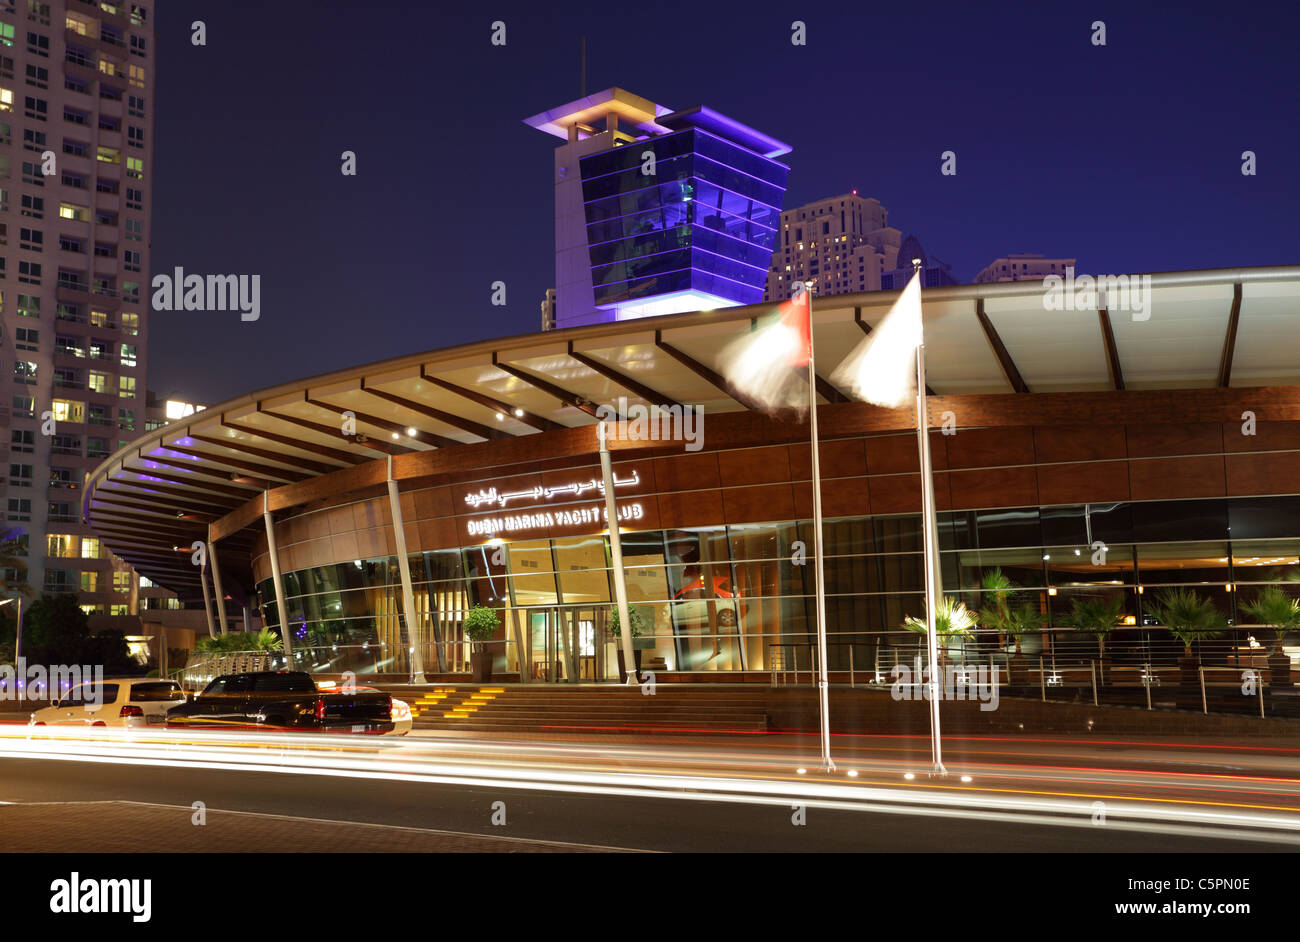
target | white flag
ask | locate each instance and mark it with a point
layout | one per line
(882, 369)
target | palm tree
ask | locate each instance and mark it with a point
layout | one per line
(1274, 609)
(995, 599)
(951, 618)
(1096, 617)
(1024, 619)
(1189, 616)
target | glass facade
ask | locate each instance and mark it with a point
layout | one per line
(704, 220)
(741, 598)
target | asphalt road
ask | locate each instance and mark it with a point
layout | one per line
(441, 794)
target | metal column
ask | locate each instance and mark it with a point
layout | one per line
(276, 578)
(404, 567)
(216, 584)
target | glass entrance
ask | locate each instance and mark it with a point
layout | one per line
(565, 644)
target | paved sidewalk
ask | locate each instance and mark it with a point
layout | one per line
(126, 827)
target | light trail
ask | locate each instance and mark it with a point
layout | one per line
(632, 770)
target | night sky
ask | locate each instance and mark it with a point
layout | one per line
(1126, 157)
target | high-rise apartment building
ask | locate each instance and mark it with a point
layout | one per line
(76, 138)
(842, 244)
(1026, 266)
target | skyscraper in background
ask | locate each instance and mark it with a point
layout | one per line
(1024, 266)
(76, 137)
(842, 244)
(658, 211)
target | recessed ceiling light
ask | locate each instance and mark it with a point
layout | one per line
(500, 416)
(519, 413)
(395, 435)
(411, 432)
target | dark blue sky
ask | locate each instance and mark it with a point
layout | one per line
(1126, 157)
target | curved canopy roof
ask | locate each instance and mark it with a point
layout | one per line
(153, 497)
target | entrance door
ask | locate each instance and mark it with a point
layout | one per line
(563, 645)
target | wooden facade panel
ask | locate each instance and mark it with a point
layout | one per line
(1075, 443)
(896, 494)
(841, 497)
(690, 509)
(1177, 478)
(758, 504)
(687, 472)
(1269, 436)
(754, 466)
(988, 447)
(340, 519)
(1083, 482)
(1264, 474)
(1189, 438)
(991, 487)
(843, 458)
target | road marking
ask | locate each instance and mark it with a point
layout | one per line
(368, 824)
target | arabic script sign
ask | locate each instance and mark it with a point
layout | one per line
(576, 488)
(587, 514)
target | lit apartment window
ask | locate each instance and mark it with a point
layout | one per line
(131, 324)
(98, 382)
(122, 582)
(128, 354)
(90, 582)
(119, 608)
(61, 545)
(90, 547)
(6, 99)
(73, 211)
(138, 14)
(108, 155)
(25, 372)
(126, 387)
(135, 168)
(6, 34)
(68, 410)
(126, 419)
(135, 75)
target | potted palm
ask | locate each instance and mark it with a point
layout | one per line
(1190, 617)
(951, 618)
(481, 624)
(1097, 617)
(1022, 619)
(638, 627)
(1274, 609)
(997, 613)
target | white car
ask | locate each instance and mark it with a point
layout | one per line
(126, 702)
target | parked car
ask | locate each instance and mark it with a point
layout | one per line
(286, 700)
(129, 702)
(401, 712)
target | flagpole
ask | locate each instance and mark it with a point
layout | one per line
(823, 683)
(930, 531)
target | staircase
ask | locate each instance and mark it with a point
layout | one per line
(587, 709)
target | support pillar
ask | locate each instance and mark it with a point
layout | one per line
(216, 583)
(413, 637)
(276, 580)
(207, 599)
